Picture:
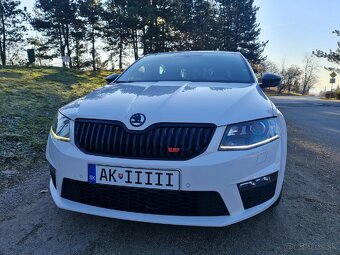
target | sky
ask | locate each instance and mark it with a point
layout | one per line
(294, 28)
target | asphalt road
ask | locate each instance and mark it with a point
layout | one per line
(305, 222)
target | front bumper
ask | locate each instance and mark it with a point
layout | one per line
(214, 170)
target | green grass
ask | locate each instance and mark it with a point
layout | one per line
(29, 99)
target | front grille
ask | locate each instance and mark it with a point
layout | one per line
(112, 138)
(141, 200)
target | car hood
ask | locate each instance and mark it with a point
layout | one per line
(188, 102)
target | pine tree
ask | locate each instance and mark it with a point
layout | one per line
(202, 26)
(54, 19)
(239, 30)
(43, 51)
(11, 26)
(331, 56)
(153, 33)
(135, 24)
(115, 32)
(79, 44)
(91, 11)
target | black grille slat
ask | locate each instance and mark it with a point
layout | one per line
(148, 143)
(121, 139)
(134, 145)
(183, 142)
(108, 142)
(98, 135)
(170, 139)
(155, 141)
(102, 141)
(127, 145)
(163, 141)
(78, 132)
(113, 139)
(92, 136)
(198, 134)
(86, 138)
(141, 144)
(142, 200)
(191, 138)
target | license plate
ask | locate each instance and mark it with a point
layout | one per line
(142, 178)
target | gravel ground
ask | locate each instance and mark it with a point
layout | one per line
(305, 222)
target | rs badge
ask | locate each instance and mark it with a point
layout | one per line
(173, 149)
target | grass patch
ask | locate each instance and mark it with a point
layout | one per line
(29, 99)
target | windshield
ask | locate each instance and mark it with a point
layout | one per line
(195, 67)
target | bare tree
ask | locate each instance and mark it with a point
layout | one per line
(289, 77)
(310, 76)
(270, 67)
(283, 72)
(293, 75)
(266, 66)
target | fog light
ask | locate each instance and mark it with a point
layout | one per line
(256, 182)
(257, 191)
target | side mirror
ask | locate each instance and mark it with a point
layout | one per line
(111, 78)
(270, 80)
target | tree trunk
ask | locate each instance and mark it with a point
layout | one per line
(67, 43)
(120, 51)
(2, 57)
(163, 37)
(282, 88)
(61, 45)
(289, 86)
(306, 80)
(93, 49)
(144, 41)
(3, 46)
(135, 44)
(77, 54)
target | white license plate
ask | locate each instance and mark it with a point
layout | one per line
(142, 178)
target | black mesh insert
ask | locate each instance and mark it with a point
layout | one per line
(53, 175)
(112, 138)
(258, 194)
(141, 200)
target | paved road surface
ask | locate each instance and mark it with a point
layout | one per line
(306, 221)
(319, 118)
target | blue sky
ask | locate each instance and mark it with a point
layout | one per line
(294, 28)
(297, 27)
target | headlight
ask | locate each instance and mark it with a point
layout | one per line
(60, 128)
(248, 135)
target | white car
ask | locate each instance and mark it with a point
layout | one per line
(185, 138)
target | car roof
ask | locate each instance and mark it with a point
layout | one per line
(205, 52)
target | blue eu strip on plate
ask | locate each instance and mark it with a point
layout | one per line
(91, 173)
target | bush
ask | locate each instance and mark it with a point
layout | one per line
(337, 94)
(330, 94)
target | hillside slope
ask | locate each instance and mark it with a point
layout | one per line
(29, 99)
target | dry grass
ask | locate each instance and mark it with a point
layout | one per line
(29, 99)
